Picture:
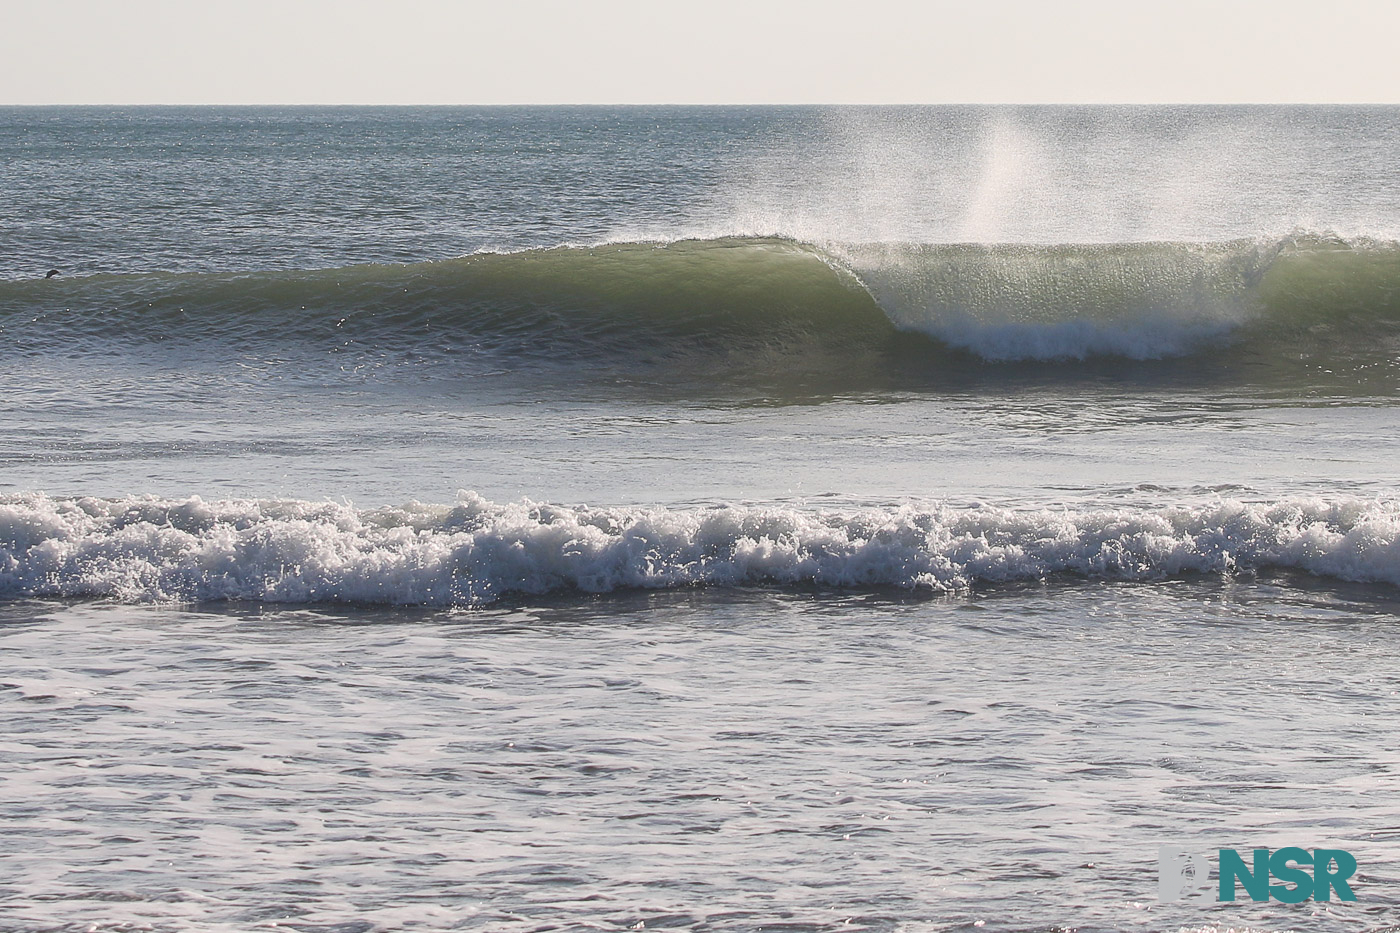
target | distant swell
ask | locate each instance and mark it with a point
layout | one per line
(760, 305)
(475, 552)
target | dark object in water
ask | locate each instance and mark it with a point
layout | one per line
(52, 273)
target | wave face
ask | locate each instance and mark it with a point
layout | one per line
(1001, 302)
(764, 305)
(475, 552)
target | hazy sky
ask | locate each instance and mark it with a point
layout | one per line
(713, 51)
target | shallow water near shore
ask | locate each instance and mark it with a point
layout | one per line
(711, 760)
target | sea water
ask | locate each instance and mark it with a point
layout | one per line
(694, 518)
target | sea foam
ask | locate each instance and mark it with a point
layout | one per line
(147, 549)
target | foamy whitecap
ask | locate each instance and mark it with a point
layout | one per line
(474, 552)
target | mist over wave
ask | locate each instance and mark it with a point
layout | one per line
(1057, 175)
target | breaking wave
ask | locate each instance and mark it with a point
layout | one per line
(474, 552)
(762, 302)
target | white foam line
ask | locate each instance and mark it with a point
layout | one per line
(148, 549)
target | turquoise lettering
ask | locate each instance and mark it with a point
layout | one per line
(1232, 870)
(1324, 881)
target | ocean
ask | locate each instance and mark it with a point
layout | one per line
(616, 518)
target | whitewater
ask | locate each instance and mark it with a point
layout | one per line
(477, 552)
(899, 519)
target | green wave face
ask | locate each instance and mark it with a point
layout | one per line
(757, 310)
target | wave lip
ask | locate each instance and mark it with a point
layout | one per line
(475, 552)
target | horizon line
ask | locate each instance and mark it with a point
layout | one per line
(965, 103)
